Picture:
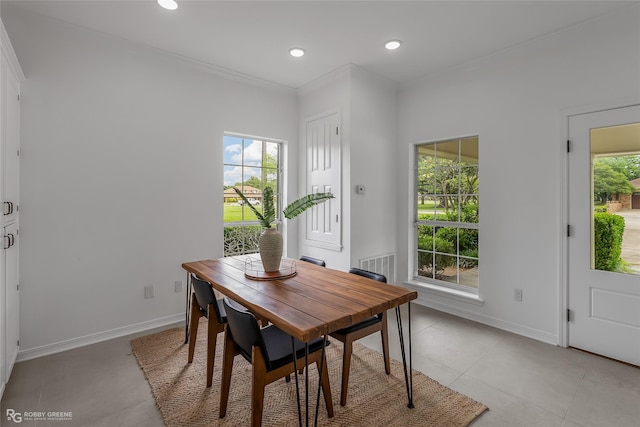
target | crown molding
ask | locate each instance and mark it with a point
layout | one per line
(164, 54)
(330, 77)
(345, 71)
(9, 53)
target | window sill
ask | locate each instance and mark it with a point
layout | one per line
(455, 294)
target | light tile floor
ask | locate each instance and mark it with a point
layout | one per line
(524, 382)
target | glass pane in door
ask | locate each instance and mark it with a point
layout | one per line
(615, 183)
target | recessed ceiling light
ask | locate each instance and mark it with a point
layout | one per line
(392, 44)
(296, 52)
(168, 4)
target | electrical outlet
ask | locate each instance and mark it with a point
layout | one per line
(517, 294)
(178, 285)
(148, 292)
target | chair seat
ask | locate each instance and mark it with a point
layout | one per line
(273, 354)
(353, 328)
(278, 345)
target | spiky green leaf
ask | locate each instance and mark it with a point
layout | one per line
(296, 207)
(265, 220)
(269, 212)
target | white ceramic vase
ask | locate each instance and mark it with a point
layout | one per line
(270, 247)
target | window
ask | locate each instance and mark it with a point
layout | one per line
(250, 165)
(446, 213)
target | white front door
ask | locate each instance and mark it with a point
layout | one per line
(604, 306)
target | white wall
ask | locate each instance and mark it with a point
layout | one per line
(372, 159)
(331, 93)
(122, 167)
(517, 103)
(367, 106)
(121, 177)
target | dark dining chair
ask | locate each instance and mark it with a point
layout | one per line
(315, 261)
(270, 352)
(205, 304)
(348, 335)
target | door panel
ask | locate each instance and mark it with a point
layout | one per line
(11, 146)
(323, 226)
(10, 242)
(605, 305)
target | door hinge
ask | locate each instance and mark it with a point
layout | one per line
(568, 146)
(568, 315)
(18, 97)
(18, 287)
(568, 230)
(18, 343)
(336, 130)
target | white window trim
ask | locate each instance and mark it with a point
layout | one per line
(279, 224)
(444, 291)
(430, 285)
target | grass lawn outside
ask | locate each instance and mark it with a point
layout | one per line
(233, 213)
(429, 207)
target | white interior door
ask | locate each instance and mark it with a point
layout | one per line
(323, 226)
(12, 319)
(11, 147)
(604, 305)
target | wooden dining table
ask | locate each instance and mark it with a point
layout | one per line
(308, 302)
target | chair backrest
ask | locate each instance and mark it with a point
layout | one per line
(205, 296)
(368, 274)
(244, 328)
(315, 261)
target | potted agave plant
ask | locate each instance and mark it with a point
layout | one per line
(270, 241)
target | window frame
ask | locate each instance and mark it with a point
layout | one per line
(278, 194)
(458, 225)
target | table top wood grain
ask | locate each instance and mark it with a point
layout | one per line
(314, 302)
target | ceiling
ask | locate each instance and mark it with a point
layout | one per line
(616, 140)
(253, 37)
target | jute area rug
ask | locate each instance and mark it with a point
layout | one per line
(374, 398)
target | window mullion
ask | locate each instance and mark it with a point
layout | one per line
(443, 241)
(241, 162)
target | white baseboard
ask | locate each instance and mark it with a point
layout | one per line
(490, 321)
(45, 350)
